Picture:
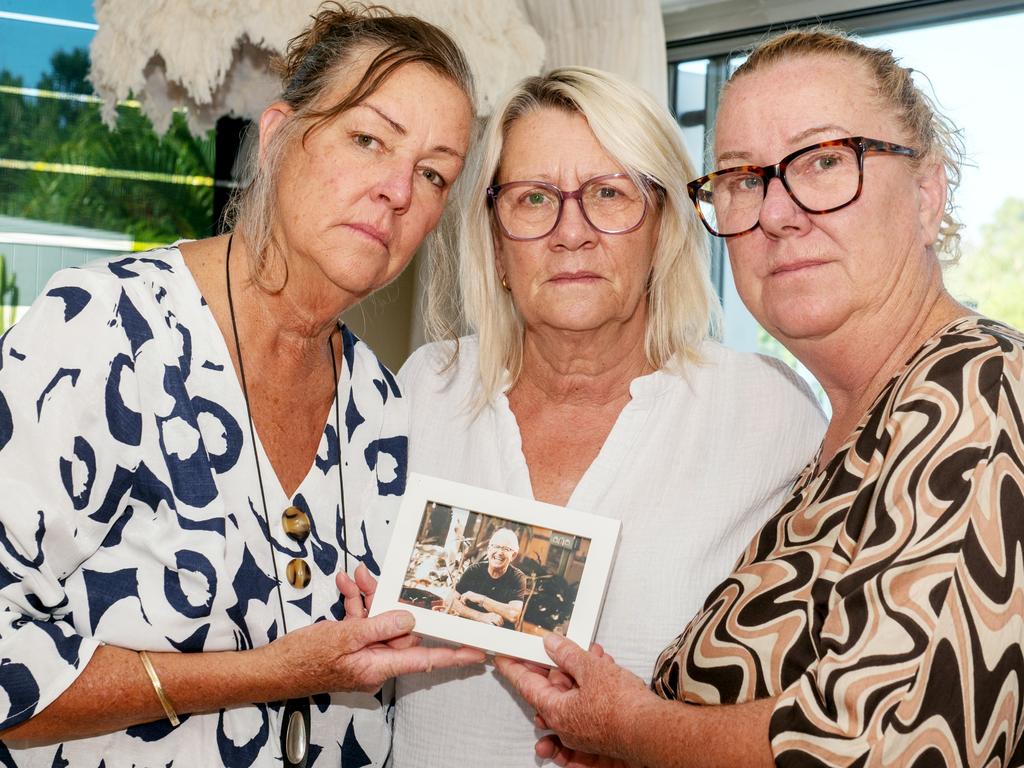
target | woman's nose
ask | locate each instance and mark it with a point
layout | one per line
(779, 211)
(573, 231)
(395, 187)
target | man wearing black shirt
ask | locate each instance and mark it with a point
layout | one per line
(493, 591)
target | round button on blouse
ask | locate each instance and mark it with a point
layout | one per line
(298, 573)
(295, 523)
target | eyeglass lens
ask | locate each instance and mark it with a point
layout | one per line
(819, 179)
(529, 210)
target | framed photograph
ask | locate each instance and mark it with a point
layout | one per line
(493, 571)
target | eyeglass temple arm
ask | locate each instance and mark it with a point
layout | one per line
(877, 145)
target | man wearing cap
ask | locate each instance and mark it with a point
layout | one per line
(493, 591)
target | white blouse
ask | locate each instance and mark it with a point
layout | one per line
(692, 467)
(130, 512)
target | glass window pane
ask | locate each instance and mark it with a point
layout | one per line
(70, 189)
(990, 276)
(690, 101)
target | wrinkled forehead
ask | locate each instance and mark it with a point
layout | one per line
(347, 79)
(797, 101)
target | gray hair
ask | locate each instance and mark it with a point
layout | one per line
(508, 535)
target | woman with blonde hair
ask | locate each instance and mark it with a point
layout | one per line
(875, 619)
(590, 381)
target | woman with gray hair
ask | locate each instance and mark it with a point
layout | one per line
(183, 506)
(876, 618)
(590, 381)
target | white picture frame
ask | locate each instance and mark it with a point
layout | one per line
(570, 556)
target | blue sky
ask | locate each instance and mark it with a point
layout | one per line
(25, 48)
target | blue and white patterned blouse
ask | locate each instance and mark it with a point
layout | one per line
(130, 513)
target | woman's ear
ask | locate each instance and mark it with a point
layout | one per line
(499, 266)
(271, 120)
(933, 191)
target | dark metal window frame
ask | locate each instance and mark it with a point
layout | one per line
(879, 18)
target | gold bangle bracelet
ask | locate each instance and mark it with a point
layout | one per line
(164, 701)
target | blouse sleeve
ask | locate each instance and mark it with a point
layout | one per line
(919, 653)
(67, 409)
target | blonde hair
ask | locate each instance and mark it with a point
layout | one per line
(642, 137)
(931, 133)
(309, 68)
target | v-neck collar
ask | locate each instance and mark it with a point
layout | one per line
(274, 488)
(598, 478)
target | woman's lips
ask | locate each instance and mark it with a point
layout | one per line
(571, 277)
(372, 233)
(797, 266)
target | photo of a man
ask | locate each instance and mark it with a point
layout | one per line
(506, 574)
(493, 591)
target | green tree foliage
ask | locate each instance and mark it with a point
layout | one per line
(68, 72)
(8, 295)
(990, 276)
(71, 132)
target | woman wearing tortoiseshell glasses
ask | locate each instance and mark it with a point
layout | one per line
(876, 618)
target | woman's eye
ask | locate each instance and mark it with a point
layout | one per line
(746, 183)
(365, 140)
(824, 161)
(434, 178)
(827, 162)
(607, 193)
(533, 198)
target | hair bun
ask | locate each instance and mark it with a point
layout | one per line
(333, 22)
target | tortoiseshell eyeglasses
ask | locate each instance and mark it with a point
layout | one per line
(821, 178)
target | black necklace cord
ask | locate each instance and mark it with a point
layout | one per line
(337, 440)
(252, 435)
(252, 432)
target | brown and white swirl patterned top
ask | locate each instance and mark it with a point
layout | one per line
(884, 604)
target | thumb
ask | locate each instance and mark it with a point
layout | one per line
(379, 629)
(567, 655)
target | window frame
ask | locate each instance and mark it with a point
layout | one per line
(876, 18)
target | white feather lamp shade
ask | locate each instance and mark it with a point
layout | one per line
(212, 56)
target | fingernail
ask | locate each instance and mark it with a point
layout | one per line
(552, 641)
(405, 621)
